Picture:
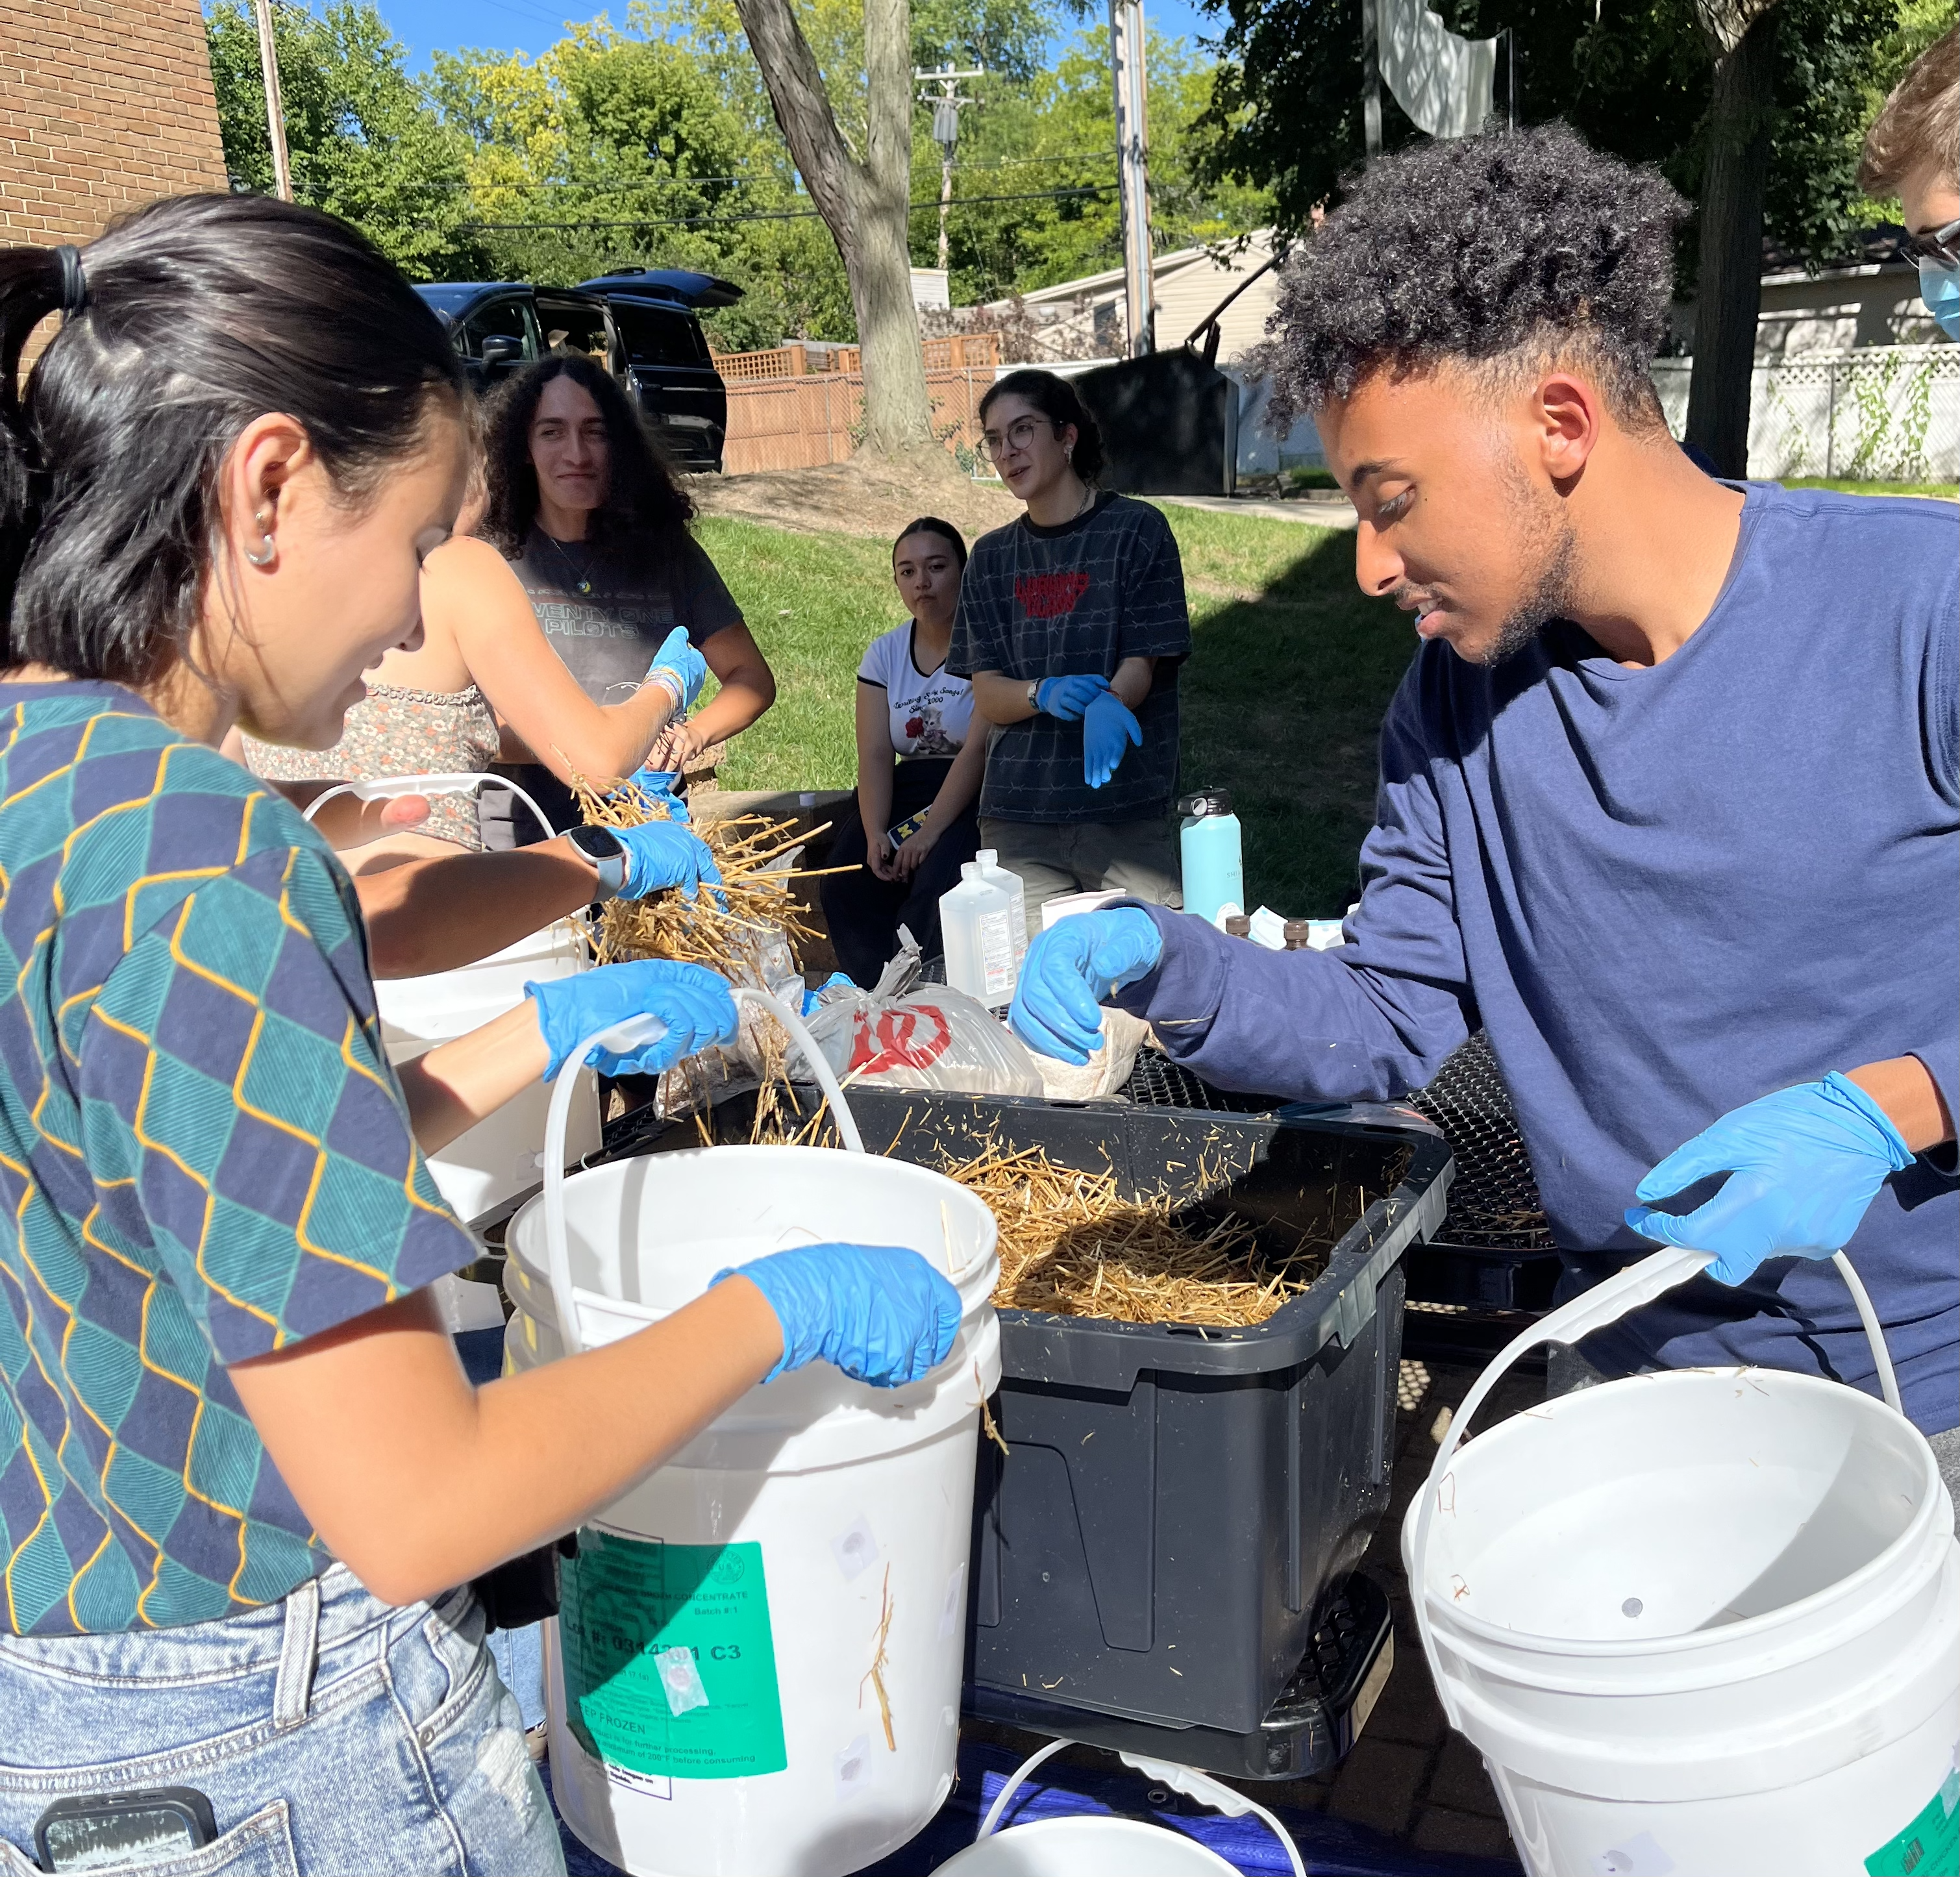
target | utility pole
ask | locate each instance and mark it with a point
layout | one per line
(1126, 63)
(276, 109)
(1371, 82)
(946, 105)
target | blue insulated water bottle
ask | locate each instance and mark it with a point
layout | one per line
(1214, 869)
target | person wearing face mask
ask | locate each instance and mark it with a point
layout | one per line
(1072, 626)
(244, 1486)
(1669, 802)
(1912, 151)
(594, 523)
(918, 767)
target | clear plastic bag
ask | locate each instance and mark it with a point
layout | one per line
(905, 1034)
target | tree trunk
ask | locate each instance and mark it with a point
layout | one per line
(864, 204)
(1742, 35)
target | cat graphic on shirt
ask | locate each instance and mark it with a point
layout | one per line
(928, 733)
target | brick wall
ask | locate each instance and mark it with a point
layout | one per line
(104, 105)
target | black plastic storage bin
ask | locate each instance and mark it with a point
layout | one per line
(1491, 1268)
(1154, 1551)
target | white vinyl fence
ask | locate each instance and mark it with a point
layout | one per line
(1883, 414)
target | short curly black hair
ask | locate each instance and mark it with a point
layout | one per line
(1511, 250)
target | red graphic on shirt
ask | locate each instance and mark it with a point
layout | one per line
(914, 727)
(914, 1037)
(1049, 596)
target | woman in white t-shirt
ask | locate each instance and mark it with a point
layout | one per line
(913, 823)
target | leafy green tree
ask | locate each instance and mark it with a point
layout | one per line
(363, 140)
(1636, 79)
(646, 147)
(1056, 132)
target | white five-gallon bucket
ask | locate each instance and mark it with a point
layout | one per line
(1704, 1622)
(1094, 1845)
(735, 1632)
(503, 1154)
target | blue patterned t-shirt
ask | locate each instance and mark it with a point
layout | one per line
(203, 1152)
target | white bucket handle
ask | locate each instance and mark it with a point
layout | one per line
(1603, 1303)
(636, 1030)
(1187, 1780)
(388, 788)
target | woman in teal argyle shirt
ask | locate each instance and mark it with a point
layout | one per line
(241, 1474)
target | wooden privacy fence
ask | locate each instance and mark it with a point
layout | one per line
(801, 423)
(798, 360)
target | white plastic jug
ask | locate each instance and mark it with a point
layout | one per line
(1704, 1622)
(976, 921)
(1097, 1846)
(736, 1631)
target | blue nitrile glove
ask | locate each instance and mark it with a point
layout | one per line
(657, 785)
(694, 1003)
(1069, 969)
(1107, 728)
(664, 853)
(882, 1314)
(679, 655)
(1803, 1164)
(1068, 697)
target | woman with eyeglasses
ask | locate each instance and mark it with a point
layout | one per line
(1912, 151)
(1072, 626)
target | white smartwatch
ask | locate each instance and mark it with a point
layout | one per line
(607, 852)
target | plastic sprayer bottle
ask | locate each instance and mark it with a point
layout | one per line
(1214, 871)
(976, 921)
(988, 861)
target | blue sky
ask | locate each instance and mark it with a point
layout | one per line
(529, 26)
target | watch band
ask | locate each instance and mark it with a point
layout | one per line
(607, 852)
(1034, 694)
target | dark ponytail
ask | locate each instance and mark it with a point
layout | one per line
(1056, 400)
(931, 524)
(186, 320)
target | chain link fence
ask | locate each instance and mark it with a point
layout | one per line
(1884, 413)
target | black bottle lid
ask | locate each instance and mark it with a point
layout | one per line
(1206, 801)
(1237, 925)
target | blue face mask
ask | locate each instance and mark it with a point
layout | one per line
(1939, 288)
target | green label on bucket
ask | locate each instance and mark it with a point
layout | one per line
(669, 1664)
(1929, 1846)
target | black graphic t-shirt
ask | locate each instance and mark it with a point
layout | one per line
(606, 622)
(1043, 602)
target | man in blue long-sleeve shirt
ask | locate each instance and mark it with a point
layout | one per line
(1669, 800)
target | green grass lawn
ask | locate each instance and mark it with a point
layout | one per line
(1291, 671)
(1951, 490)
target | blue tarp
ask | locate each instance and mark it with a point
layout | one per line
(1330, 1847)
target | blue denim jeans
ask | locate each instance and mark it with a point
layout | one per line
(333, 1734)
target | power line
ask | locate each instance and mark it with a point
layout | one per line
(1082, 191)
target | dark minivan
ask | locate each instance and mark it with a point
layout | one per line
(643, 327)
(670, 370)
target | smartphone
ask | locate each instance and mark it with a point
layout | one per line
(904, 831)
(100, 1830)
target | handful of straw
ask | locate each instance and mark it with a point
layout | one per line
(724, 929)
(1071, 1247)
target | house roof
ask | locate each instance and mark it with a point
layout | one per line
(1259, 242)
